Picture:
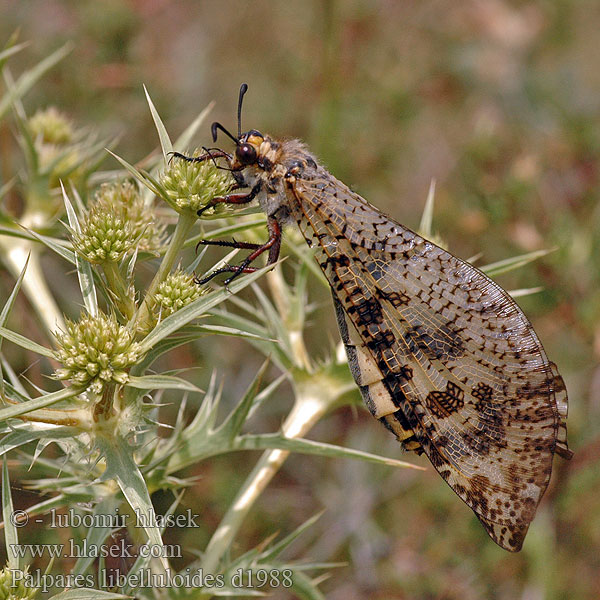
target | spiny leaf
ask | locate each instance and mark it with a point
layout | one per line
(232, 425)
(121, 466)
(21, 437)
(276, 440)
(224, 232)
(184, 139)
(46, 400)
(515, 262)
(10, 531)
(27, 79)
(89, 594)
(6, 311)
(163, 136)
(84, 269)
(305, 588)
(8, 52)
(427, 216)
(161, 382)
(280, 546)
(97, 534)
(21, 340)
(141, 176)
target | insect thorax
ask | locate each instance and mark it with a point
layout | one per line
(278, 166)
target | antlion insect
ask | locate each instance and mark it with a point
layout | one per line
(442, 355)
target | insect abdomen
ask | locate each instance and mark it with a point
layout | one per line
(370, 381)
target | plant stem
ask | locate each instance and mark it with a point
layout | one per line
(281, 298)
(184, 224)
(122, 297)
(14, 255)
(307, 410)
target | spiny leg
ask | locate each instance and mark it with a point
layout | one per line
(273, 245)
(229, 244)
(209, 153)
(233, 198)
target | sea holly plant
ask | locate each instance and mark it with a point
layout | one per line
(103, 412)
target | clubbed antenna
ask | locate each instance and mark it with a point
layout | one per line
(243, 90)
(216, 126)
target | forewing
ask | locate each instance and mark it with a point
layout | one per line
(442, 354)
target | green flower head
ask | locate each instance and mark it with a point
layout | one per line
(61, 150)
(125, 198)
(95, 351)
(175, 292)
(190, 186)
(105, 236)
(116, 222)
(14, 585)
(50, 126)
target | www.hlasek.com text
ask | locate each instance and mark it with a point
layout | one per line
(84, 549)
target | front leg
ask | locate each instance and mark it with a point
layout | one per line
(209, 153)
(273, 245)
(233, 198)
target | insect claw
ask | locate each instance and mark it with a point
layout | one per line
(200, 211)
(203, 280)
(207, 278)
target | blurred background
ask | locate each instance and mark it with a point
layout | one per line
(499, 101)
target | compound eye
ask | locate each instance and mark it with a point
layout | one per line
(246, 154)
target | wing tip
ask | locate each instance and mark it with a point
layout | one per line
(508, 537)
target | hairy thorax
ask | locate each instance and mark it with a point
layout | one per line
(278, 166)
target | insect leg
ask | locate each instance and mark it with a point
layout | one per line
(273, 245)
(209, 154)
(232, 198)
(229, 244)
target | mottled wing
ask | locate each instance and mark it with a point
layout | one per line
(443, 356)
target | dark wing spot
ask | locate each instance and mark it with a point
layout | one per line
(489, 429)
(393, 383)
(367, 312)
(337, 260)
(381, 341)
(484, 394)
(406, 372)
(443, 404)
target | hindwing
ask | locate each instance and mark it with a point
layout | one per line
(443, 356)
